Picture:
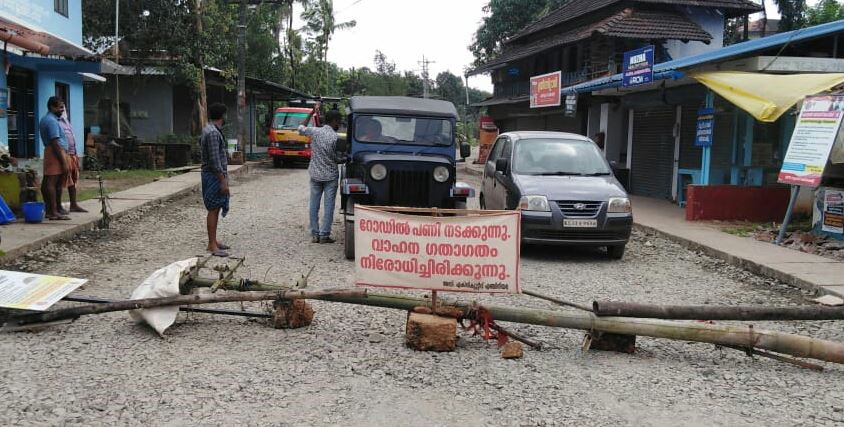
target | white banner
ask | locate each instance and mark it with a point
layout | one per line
(27, 291)
(476, 253)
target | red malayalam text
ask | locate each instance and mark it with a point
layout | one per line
(433, 268)
(402, 247)
(460, 250)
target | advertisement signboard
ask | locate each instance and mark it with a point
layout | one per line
(638, 67)
(812, 140)
(545, 90)
(571, 105)
(705, 127)
(477, 253)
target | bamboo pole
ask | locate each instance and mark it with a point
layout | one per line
(692, 312)
(731, 336)
(746, 337)
(75, 312)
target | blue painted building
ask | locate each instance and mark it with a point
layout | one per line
(43, 57)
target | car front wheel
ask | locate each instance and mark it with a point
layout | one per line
(616, 252)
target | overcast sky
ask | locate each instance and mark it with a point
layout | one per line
(440, 30)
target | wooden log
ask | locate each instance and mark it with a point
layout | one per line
(428, 332)
(75, 312)
(705, 312)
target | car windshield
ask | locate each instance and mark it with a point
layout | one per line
(289, 120)
(559, 157)
(403, 130)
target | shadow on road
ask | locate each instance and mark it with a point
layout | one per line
(565, 253)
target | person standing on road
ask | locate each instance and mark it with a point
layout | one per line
(324, 174)
(72, 166)
(55, 158)
(215, 180)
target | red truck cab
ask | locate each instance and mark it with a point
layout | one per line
(286, 145)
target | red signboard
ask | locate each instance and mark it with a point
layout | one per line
(545, 90)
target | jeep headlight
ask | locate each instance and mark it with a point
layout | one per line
(441, 174)
(619, 205)
(534, 203)
(378, 171)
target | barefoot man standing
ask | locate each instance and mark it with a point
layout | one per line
(215, 180)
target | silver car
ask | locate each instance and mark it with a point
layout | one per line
(564, 188)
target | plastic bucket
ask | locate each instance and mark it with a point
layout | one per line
(33, 212)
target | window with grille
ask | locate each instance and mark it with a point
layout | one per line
(60, 7)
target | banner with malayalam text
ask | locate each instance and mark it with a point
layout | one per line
(475, 253)
(545, 90)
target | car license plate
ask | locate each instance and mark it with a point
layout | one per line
(580, 223)
(289, 153)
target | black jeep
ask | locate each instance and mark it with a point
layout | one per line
(401, 152)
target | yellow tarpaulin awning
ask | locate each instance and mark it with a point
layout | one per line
(767, 96)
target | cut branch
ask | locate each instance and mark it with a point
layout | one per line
(75, 312)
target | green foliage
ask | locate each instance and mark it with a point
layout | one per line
(505, 18)
(793, 14)
(179, 36)
(825, 11)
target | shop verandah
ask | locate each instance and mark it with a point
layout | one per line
(751, 89)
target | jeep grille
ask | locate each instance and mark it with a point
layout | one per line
(410, 188)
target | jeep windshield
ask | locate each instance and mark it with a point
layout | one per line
(285, 120)
(403, 130)
(559, 157)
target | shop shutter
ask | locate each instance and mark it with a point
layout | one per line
(652, 165)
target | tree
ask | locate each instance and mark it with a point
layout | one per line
(505, 18)
(792, 14)
(321, 24)
(183, 37)
(825, 11)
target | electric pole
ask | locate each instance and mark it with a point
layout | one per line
(241, 68)
(241, 79)
(425, 62)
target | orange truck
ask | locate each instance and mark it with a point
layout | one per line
(286, 145)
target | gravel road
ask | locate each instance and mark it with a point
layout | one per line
(351, 367)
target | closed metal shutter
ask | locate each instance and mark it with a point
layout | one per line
(652, 165)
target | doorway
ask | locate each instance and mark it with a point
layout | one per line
(21, 113)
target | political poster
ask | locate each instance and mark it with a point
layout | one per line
(27, 291)
(475, 253)
(833, 211)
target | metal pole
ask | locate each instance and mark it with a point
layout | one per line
(795, 191)
(241, 79)
(117, 61)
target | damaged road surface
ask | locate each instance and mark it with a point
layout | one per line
(351, 365)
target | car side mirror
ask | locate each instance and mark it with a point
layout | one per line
(501, 165)
(465, 150)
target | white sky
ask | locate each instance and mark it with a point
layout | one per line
(441, 30)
